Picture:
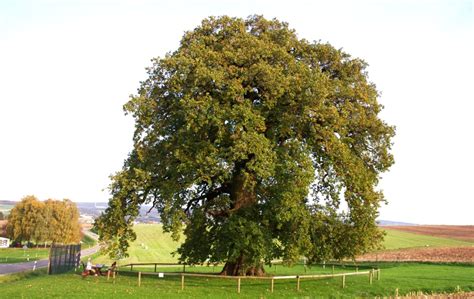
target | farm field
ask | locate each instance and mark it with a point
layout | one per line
(396, 239)
(402, 245)
(152, 245)
(406, 277)
(459, 232)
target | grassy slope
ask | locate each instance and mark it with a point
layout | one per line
(160, 245)
(397, 239)
(157, 246)
(407, 277)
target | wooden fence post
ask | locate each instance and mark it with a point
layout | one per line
(343, 281)
(378, 274)
(238, 285)
(271, 289)
(298, 283)
(371, 273)
(182, 282)
(332, 269)
(155, 268)
(131, 267)
(139, 278)
(184, 268)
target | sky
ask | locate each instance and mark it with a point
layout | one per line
(67, 67)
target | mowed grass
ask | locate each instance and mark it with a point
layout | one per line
(406, 277)
(395, 239)
(19, 255)
(151, 245)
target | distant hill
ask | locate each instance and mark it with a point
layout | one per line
(93, 209)
(391, 223)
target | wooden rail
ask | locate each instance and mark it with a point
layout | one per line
(154, 264)
(298, 278)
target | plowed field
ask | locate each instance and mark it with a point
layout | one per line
(439, 254)
(459, 232)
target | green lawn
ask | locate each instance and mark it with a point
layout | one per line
(407, 277)
(397, 239)
(18, 255)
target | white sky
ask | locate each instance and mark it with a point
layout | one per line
(67, 67)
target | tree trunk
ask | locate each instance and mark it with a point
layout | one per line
(238, 268)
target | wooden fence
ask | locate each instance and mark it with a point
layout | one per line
(372, 274)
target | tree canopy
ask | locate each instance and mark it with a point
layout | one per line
(254, 142)
(36, 221)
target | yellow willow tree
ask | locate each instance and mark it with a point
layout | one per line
(249, 138)
(50, 221)
(26, 221)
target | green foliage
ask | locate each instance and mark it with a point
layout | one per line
(252, 138)
(50, 221)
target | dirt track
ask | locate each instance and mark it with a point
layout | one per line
(460, 232)
(441, 254)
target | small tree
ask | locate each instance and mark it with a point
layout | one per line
(251, 138)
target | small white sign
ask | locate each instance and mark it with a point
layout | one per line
(161, 275)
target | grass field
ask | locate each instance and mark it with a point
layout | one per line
(19, 255)
(406, 277)
(151, 245)
(396, 239)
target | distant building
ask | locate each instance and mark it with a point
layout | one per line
(4, 242)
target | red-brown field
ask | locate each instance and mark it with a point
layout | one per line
(440, 254)
(430, 254)
(460, 232)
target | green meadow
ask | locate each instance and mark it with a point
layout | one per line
(19, 255)
(406, 277)
(397, 239)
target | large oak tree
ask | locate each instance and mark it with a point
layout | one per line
(249, 139)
